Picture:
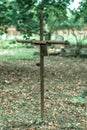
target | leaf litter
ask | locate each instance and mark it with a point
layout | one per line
(65, 81)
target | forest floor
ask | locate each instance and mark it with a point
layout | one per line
(65, 94)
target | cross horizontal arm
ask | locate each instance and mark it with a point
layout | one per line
(57, 42)
(32, 41)
(43, 42)
(24, 41)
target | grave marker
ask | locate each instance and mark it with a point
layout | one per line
(43, 52)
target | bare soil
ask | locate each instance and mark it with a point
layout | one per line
(65, 107)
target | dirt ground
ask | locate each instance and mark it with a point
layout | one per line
(65, 106)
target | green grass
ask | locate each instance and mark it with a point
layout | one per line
(11, 44)
(11, 50)
(18, 54)
(73, 41)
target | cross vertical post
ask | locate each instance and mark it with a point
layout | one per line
(41, 65)
(43, 52)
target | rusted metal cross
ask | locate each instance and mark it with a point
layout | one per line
(43, 52)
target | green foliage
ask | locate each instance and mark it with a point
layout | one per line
(78, 99)
(55, 13)
(84, 94)
(25, 15)
(39, 121)
(82, 10)
(78, 17)
(11, 44)
(8, 13)
(18, 13)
